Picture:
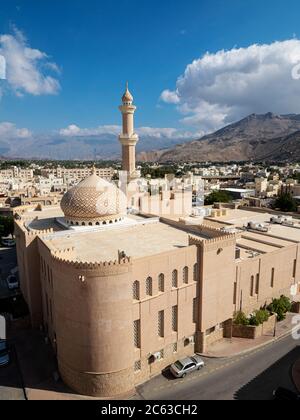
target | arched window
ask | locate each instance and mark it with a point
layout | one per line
(136, 290)
(196, 273)
(252, 286)
(161, 283)
(175, 279)
(185, 275)
(149, 286)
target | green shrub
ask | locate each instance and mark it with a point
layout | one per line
(259, 317)
(280, 307)
(253, 321)
(241, 319)
(262, 315)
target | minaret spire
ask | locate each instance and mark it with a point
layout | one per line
(128, 138)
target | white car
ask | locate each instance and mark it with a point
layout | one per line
(12, 282)
(185, 366)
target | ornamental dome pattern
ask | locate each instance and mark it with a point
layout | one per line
(94, 201)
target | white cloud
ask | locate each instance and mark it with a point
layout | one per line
(114, 130)
(25, 67)
(170, 97)
(75, 131)
(9, 131)
(220, 88)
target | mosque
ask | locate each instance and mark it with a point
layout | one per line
(122, 294)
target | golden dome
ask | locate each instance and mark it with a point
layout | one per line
(127, 97)
(94, 201)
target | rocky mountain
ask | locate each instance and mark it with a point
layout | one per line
(257, 137)
(55, 146)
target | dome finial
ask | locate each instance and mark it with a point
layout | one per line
(127, 97)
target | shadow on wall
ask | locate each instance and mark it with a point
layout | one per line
(277, 375)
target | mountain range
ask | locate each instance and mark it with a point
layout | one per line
(256, 137)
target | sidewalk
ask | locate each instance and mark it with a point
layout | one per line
(228, 348)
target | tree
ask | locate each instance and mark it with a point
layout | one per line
(280, 307)
(285, 202)
(218, 197)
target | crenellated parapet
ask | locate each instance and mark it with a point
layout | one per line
(34, 233)
(212, 244)
(211, 231)
(68, 259)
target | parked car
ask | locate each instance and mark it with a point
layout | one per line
(185, 366)
(12, 282)
(4, 354)
(10, 243)
(283, 394)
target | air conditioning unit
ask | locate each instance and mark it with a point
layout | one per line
(156, 356)
(190, 340)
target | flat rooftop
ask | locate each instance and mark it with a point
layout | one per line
(284, 235)
(262, 248)
(136, 241)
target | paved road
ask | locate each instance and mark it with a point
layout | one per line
(11, 387)
(8, 261)
(250, 377)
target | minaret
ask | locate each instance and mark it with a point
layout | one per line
(128, 138)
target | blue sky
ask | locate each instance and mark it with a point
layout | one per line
(98, 45)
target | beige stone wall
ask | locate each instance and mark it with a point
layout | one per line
(29, 271)
(252, 332)
(217, 262)
(282, 261)
(245, 331)
(176, 204)
(90, 323)
(147, 308)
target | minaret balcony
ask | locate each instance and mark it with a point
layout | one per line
(127, 109)
(129, 140)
